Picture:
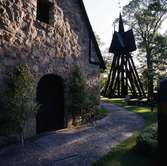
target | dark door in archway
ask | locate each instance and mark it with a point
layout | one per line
(50, 95)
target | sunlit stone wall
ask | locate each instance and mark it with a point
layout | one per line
(46, 48)
(78, 22)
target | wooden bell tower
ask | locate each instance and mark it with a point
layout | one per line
(123, 78)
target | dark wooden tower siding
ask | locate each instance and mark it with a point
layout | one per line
(123, 78)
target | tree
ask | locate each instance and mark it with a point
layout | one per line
(17, 103)
(82, 104)
(146, 18)
(107, 59)
(99, 40)
(104, 76)
(77, 95)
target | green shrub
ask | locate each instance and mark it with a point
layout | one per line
(101, 113)
(147, 141)
(77, 91)
(17, 101)
(90, 111)
(81, 104)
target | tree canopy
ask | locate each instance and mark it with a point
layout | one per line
(146, 18)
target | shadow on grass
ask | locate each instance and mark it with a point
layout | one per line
(149, 116)
(125, 154)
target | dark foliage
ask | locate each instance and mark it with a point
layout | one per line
(147, 141)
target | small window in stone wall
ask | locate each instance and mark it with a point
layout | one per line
(92, 59)
(44, 8)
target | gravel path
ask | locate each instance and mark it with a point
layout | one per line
(75, 147)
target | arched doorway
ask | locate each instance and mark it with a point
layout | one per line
(50, 95)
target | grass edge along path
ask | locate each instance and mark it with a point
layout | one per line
(125, 154)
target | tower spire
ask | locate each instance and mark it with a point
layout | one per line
(121, 26)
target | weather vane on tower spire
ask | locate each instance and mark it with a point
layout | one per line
(119, 5)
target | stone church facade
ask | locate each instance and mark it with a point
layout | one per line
(50, 37)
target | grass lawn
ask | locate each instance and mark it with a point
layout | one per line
(126, 154)
(101, 113)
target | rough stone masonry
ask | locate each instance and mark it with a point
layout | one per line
(50, 46)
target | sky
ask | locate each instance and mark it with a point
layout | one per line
(101, 14)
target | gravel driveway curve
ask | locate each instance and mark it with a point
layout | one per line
(78, 146)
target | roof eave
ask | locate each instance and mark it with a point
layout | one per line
(102, 63)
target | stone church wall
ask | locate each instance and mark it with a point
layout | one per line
(45, 48)
(72, 10)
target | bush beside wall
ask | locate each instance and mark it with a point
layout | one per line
(17, 104)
